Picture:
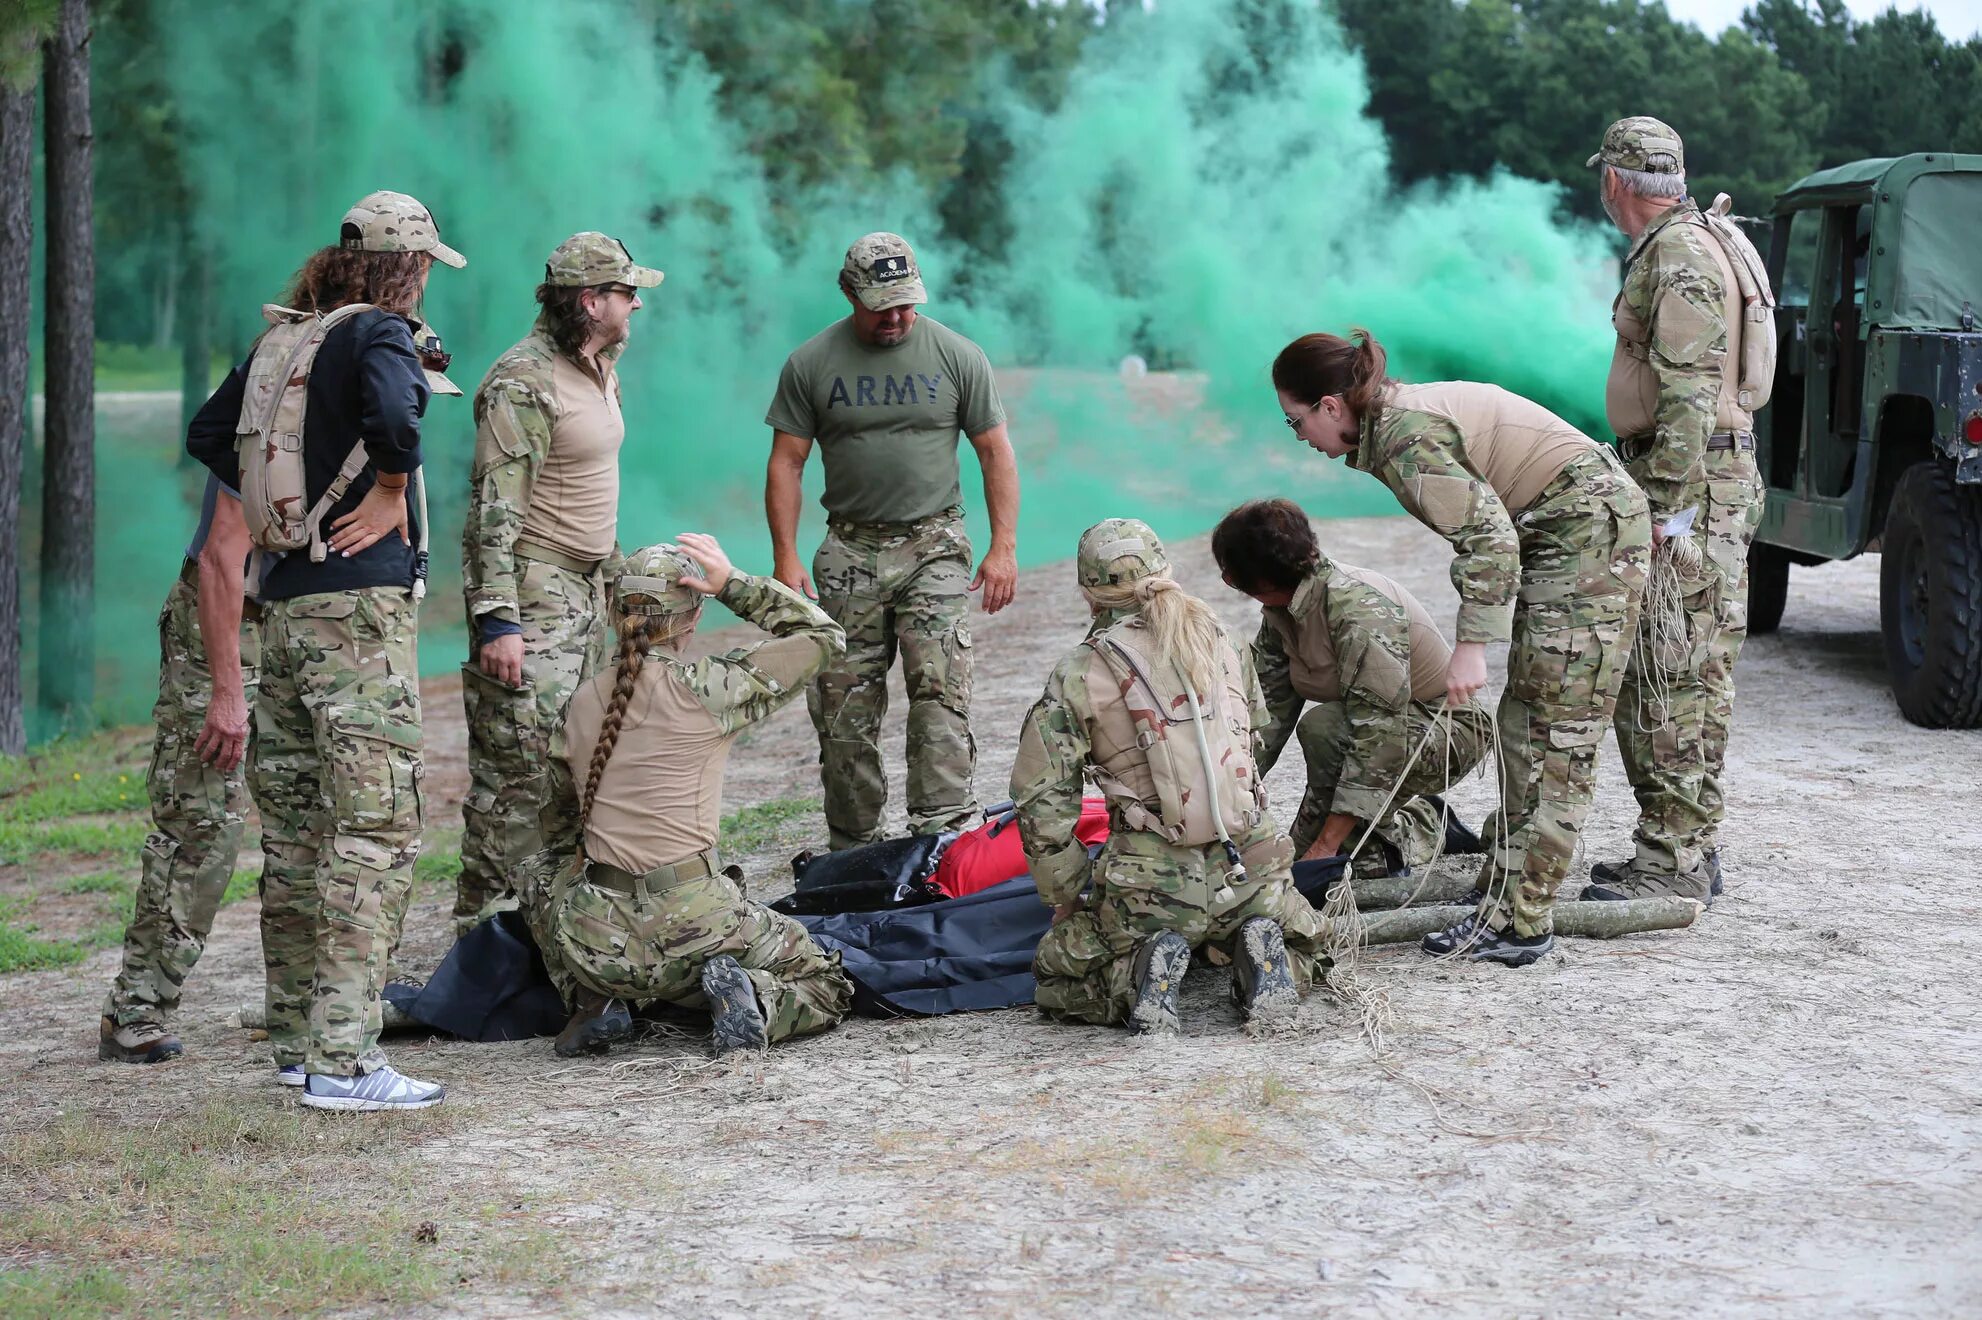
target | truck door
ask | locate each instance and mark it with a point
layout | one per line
(1793, 266)
(1835, 382)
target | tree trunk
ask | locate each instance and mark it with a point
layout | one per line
(1591, 921)
(195, 325)
(16, 294)
(1443, 885)
(68, 483)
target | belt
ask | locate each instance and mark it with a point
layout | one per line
(660, 878)
(941, 516)
(1731, 440)
(543, 554)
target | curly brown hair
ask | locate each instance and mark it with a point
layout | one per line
(1316, 366)
(1265, 544)
(334, 276)
(570, 325)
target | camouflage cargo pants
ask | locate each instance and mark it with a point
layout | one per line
(896, 586)
(563, 614)
(1143, 886)
(1585, 544)
(1413, 826)
(1673, 735)
(197, 815)
(651, 942)
(336, 777)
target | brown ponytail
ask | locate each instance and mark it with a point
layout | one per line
(1318, 365)
(638, 634)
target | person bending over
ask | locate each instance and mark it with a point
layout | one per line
(640, 907)
(1159, 708)
(1380, 734)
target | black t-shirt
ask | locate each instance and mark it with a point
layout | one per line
(366, 384)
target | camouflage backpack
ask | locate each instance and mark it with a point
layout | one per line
(269, 438)
(1750, 386)
(1145, 744)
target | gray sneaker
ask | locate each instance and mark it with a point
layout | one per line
(291, 1074)
(380, 1089)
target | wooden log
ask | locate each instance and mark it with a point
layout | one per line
(1590, 921)
(1444, 885)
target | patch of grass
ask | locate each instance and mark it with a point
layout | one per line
(24, 949)
(103, 882)
(440, 860)
(762, 824)
(242, 884)
(256, 1210)
(53, 840)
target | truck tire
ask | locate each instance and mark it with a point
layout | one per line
(1768, 587)
(1930, 598)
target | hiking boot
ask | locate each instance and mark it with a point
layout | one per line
(140, 1042)
(1262, 979)
(291, 1074)
(739, 1022)
(1620, 882)
(1159, 969)
(596, 1024)
(1475, 941)
(374, 1092)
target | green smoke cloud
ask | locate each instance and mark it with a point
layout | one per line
(1206, 189)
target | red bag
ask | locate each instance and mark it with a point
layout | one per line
(990, 854)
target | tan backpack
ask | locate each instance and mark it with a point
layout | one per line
(1160, 719)
(269, 438)
(1754, 379)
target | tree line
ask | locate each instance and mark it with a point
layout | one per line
(888, 94)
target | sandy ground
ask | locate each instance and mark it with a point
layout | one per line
(1775, 1113)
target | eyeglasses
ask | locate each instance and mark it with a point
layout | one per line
(1294, 424)
(626, 290)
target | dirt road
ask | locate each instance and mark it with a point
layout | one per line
(1776, 1113)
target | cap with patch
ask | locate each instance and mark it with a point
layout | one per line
(434, 358)
(394, 222)
(1117, 551)
(1641, 143)
(655, 573)
(591, 258)
(880, 270)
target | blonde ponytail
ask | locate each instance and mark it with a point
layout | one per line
(1182, 628)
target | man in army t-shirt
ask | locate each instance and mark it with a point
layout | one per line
(885, 393)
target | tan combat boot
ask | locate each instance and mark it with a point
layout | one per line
(140, 1042)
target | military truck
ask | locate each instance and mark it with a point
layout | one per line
(1872, 439)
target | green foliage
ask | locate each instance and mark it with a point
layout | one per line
(1465, 88)
(23, 23)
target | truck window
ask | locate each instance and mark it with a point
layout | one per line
(1799, 267)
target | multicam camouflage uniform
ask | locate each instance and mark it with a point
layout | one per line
(1142, 884)
(336, 777)
(1563, 582)
(895, 586)
(1689, 447)
(1359, 735)
(556, 598)
(197, 813)
(644, 934)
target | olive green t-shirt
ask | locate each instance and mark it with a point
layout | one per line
(887, 419)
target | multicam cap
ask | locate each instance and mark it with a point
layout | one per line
(591, 258)
(1644, 144)
(880, 269)
(434, 359)
(1119, 550)
(394, 222)
(655, 572)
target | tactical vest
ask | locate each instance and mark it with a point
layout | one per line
(269, 438)
(1747, 375)
(1147, 761)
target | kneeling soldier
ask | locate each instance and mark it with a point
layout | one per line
(1159, 707)
(1361, 648)
(639, 906)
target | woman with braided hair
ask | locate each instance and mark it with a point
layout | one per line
(1552, 541)
(1158, 708)
(640, 906)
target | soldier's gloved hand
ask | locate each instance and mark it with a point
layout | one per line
(501, 658)
(223, 738)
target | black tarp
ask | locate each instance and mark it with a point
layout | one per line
(491, 986)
